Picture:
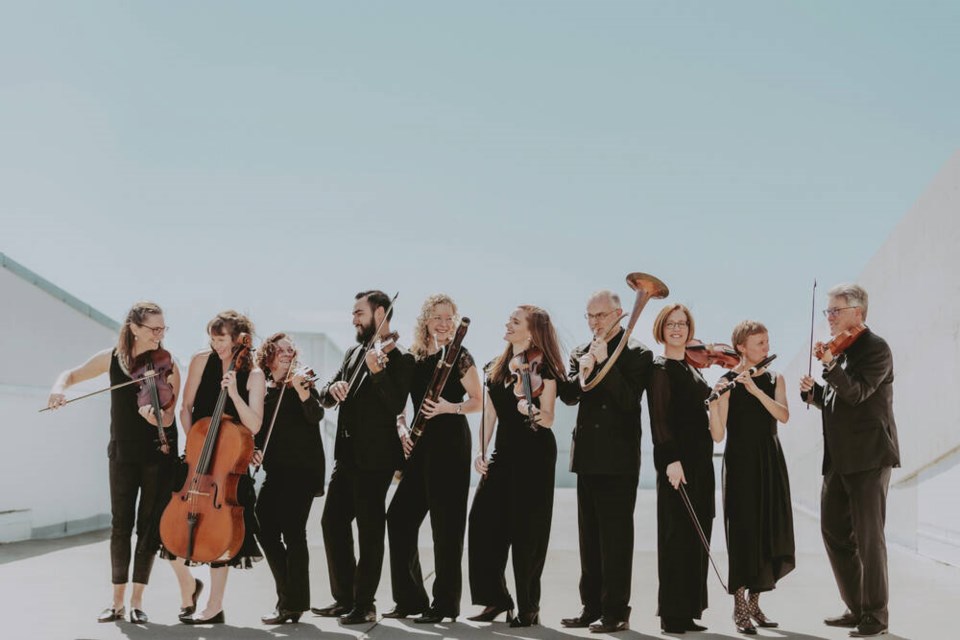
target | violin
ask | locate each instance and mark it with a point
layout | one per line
(155, 367)
(203, 521)
(525, 367)
(839, 343)
(702, 355)
(385, 345)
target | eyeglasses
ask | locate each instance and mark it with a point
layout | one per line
(598, 316)
(682, 324)
(834, 312)
(157, 331)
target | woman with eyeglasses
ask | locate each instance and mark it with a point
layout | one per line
(141, 473)
(682, 454)
(513, 505)
(246, 387)
(758, 519)
(436, 476)
(295, 467)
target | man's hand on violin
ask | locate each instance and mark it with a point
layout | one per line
(339, 390)
(148, 414)
(598, 349)
(375, 361)
(524, 407)
(806, 387)
(823, 354)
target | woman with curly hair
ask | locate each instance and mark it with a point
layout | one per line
(436, 477)
(513, 506)
(292, 456)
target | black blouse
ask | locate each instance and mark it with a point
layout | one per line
(295, 441)
(679, 420)
(513, 428)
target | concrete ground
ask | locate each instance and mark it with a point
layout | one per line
(55, 589)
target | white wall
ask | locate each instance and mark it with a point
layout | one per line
(55, 464)
(914, 286)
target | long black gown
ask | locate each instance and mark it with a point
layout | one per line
(681, 431)
(756, 493)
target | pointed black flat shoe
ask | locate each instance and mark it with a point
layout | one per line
(583, 620)
(218, 618)
(281, 616)
(489, 614)
(432, 616)
(137, 616)
(187, 612)
(399, 613)
(111, 615)
(334, 610)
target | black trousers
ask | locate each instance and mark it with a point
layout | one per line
(150, 482)
(361, 495)
(513, 507)
(605, 505)
(436, 479)
(853, 512)
(282, 511)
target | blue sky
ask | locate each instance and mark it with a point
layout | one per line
(278, 157)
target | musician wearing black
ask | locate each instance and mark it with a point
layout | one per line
(682, 454)
(605, 455)
(513, 505)
(141, 473)
(757, 511)
(367, 453)
(436, 476)
(210, 373)
(291, 452)
(860, 447)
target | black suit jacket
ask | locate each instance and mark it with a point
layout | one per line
(859, 431)
(368, 417)
(606, 440)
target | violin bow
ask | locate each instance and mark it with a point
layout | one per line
(351, 390)
(483, 417)
(700, 533)
(93, 393)
(276, 410)
(813, 304)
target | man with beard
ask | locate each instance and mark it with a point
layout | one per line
(367, 452)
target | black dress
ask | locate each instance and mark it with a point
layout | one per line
(681, 431)
(756, 493)
(295, 467)
(140, 480)
(204, 403)
(436, 479)
(513, 507)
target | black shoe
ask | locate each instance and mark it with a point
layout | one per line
(400, 613)
(490, 613)
(280, 616)
(359, 616)
(673, 625)
(526, 619)
(215, 619)
(869, 627)
(110, 614)
(693, 626)
(334, 610)
(609, 626)
(137, 616)
(432, 616)
(187, 612)
(584, 619)
(846, 620)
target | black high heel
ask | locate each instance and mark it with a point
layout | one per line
(753, 609)
(526, 619)
(281, 616)
(490, 613)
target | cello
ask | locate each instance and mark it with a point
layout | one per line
(203, 521)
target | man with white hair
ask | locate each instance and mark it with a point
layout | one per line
(860, 448)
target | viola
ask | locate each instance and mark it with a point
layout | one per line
(155, 367)
(702, 355)
(839, 343)
(204, 520)
(525, 367)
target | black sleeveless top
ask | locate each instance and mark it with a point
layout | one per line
(453, 391)
(514, 437)
(132, 438)
(208, 391)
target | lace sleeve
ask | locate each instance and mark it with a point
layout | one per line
(464, 362)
